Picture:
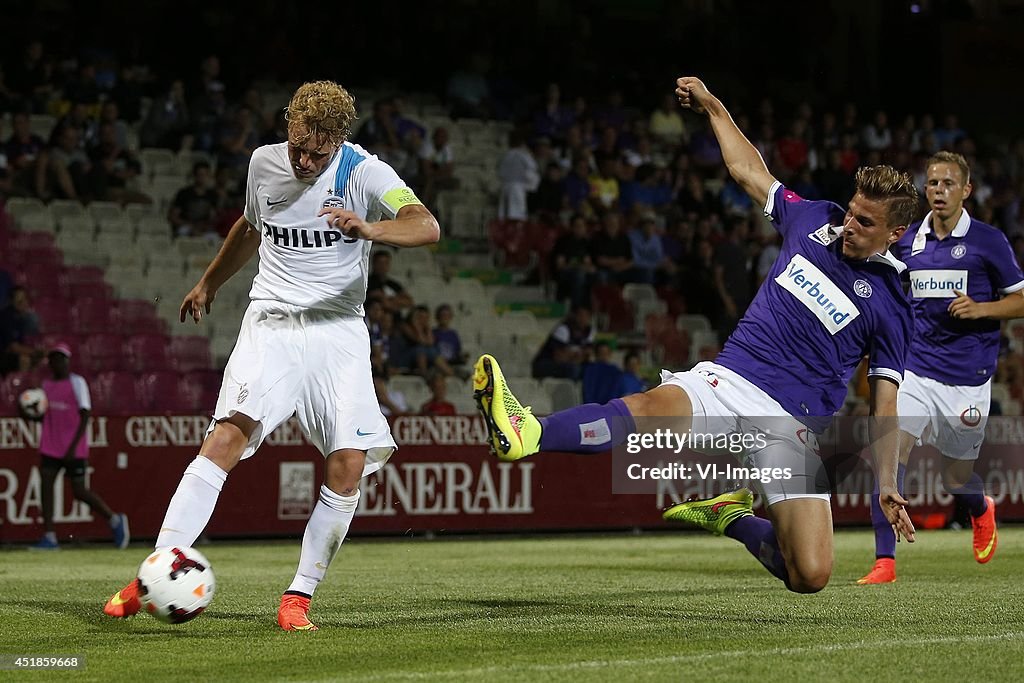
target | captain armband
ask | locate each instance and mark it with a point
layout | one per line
(395, 199)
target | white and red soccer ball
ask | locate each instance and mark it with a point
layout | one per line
(176, 584)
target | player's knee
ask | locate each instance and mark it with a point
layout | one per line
(79, 489)
(810, 577)
(343, 470)
(663, 401)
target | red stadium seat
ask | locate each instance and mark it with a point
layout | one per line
(607, 301)
(190, 353)
(54, 315)
(31, 240)
(103, 352)
(117, 393)
(138, 316)
(208, 381)
(160, 392)
(148, 352)
(91, 315)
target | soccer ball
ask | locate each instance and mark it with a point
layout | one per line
(176, 584)
(33, 402)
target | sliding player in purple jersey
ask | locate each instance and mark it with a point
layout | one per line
(833, 296)
(964, 279)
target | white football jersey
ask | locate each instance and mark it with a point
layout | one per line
(304, 261)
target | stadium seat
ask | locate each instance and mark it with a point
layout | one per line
(693, 323)
(102, 352)
(148, 352)
(72, 277)
(189, 353)
(208, 381)
(91, 315)
(138, 316)
(164, 392)
(609, 304)
(564, 393)
(117, 393)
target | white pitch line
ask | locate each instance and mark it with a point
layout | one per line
(682, 659)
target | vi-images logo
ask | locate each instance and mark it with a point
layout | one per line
(821, 296)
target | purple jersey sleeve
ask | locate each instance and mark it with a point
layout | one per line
(785, 208)
(1006, 273)
(888, 351)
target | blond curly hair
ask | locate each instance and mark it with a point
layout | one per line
(321, 110)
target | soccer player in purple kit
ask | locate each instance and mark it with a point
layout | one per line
(833, 296)
(964, 279)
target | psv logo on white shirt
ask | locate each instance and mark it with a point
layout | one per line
(818, 293)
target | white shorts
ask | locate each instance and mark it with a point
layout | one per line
(951, 418)
(311, 363)
(726, 403)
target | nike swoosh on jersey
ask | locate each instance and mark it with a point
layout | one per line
(281, 201)
(360, 432)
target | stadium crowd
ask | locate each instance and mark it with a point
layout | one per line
(594, 194)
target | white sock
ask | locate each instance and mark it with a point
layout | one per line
(192, 504)
(325, 531)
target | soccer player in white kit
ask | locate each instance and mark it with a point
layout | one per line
(314, 205)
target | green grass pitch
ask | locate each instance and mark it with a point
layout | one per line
(617, 608)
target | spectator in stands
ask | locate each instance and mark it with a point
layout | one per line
(832, 180)
(601, 377)
(572, 264)
(666, 124)
(631, 382)
(64, 444)
(877, 135)
(239, 135)
(114, 169)
(437, 166)
(194, 210)
(791, 150)
(649, 263)
(693, 196)
(438, 403)
(732, 274)
(68, 167)
(423, 356)
(699, 283)
(604, 185)
(26, 156)
(379, 134)
(469, 93)
(448, 342)
(379, 285)
(32, 77)
(550, 199)
(19, 324)
(567, 347)
(553, 119)
(577, 184)
(375, 315)
(169, 121)
(519, 175)
(611, 251)
(392, 402)
(5, 171)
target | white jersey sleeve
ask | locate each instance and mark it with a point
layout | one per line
(383, 192)
(81, 389)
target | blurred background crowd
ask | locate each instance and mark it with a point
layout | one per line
(590, 230)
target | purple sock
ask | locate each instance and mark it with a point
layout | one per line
(973, 494)
(885, 538)
(589, 428)
(759, 537)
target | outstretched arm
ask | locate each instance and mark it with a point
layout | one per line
(239, 246)
(885, 446)
(741, 157)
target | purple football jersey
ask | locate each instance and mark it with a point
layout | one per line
(818, 313)
(975, 258)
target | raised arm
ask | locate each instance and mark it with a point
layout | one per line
(741, 157)
(239, 246)
(413, 226)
